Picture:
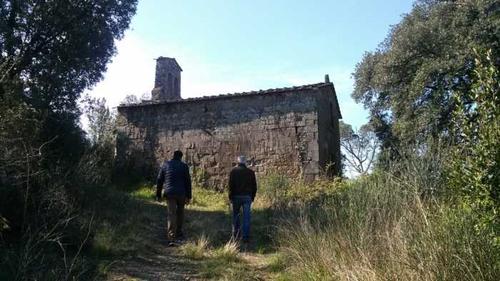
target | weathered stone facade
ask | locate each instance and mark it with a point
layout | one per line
(293, 131)
(167, 80)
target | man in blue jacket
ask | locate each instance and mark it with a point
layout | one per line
(175, 181)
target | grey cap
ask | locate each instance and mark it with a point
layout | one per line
(242, 159)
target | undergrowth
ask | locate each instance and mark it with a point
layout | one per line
(391, 225)
(383, 227)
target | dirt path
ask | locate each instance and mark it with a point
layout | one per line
(156, 266)
(156, 261)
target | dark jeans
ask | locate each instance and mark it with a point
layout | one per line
(241, 202)
(175, 217)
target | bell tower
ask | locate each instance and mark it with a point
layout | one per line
(167, 80)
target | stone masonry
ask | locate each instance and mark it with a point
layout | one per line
(292, 131)
(167, 80)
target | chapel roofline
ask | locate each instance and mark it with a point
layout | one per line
(271, 91)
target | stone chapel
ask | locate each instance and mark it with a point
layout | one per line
(292, 130)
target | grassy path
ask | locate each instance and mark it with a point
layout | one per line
(152, 260)
(207, 255)
(373, 228)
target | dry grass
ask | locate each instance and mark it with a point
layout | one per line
(196, 250)
(380, 228)
(229, 252)
(388, 226)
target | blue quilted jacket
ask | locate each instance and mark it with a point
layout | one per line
(174, 179)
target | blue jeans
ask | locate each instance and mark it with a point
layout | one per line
(239, 202)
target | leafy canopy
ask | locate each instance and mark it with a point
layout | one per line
(407, 83)
(50, 51)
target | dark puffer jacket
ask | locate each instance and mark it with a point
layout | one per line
(242, 182)
(174, 178)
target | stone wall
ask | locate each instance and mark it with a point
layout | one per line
(290, 132)
(167, 80)
(328, 131)
(278, 132)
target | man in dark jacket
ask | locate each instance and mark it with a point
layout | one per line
(175, 181)
(242, 190)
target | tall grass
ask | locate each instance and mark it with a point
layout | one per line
(387, 227)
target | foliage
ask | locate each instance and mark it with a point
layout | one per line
(273, 187)
(53, 50)
(380, 227)
(98, 161)
(359, 148)
(407, 83)
(207, 199)
(277, 190)
(50, 51)
(475, 169)
(101, 120)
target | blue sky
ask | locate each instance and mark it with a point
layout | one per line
(234, 46)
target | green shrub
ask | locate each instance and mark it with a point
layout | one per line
(475, 167)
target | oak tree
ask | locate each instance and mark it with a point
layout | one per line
(407, 83)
